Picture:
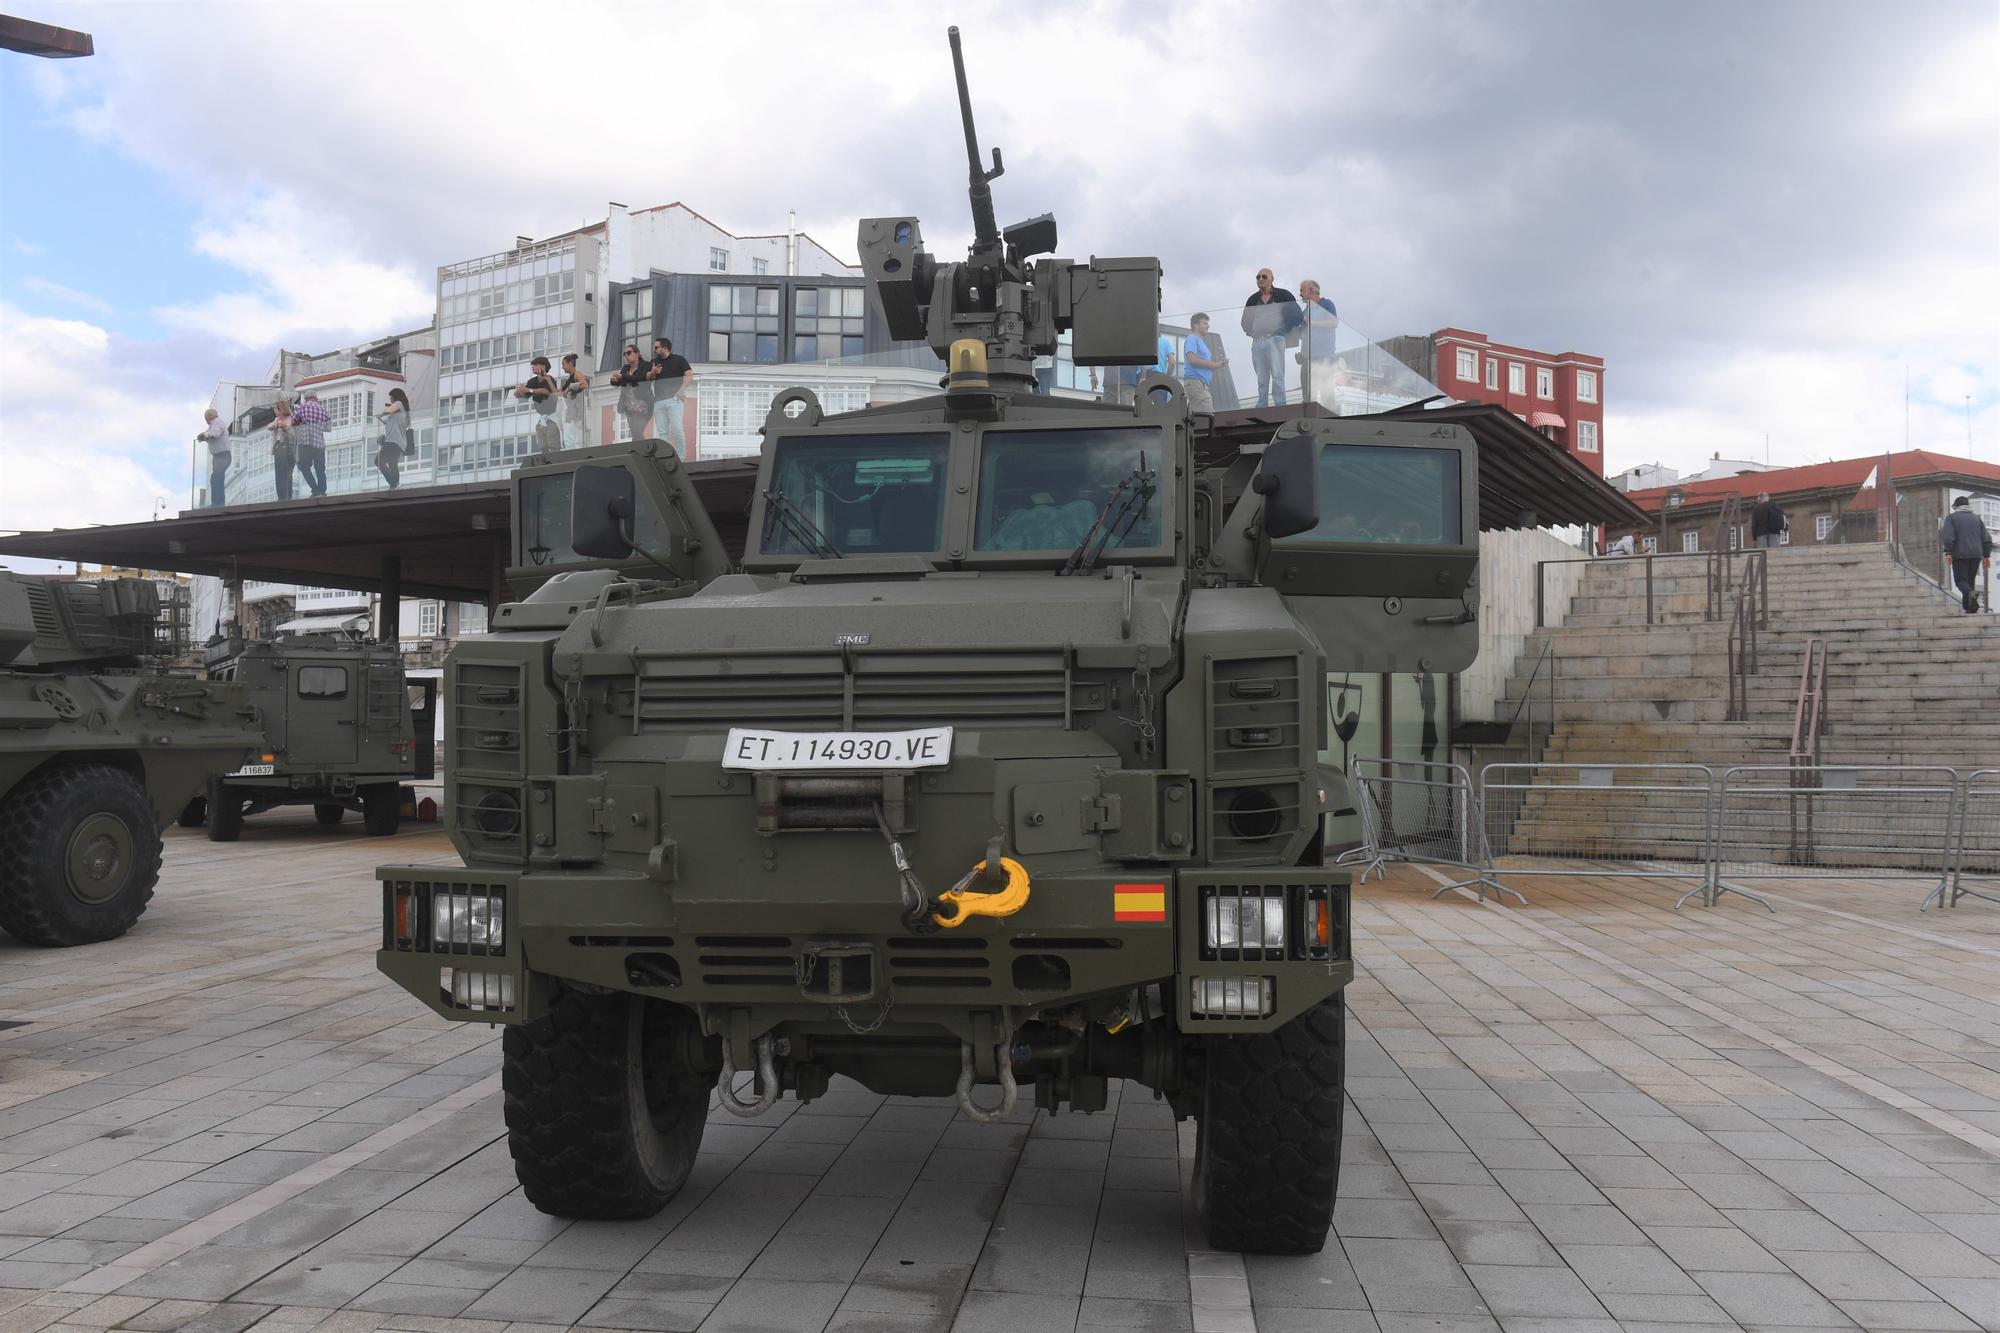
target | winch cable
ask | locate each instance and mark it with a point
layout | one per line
(916, 899)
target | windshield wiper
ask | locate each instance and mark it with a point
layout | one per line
(1121, 512)
(781, 508)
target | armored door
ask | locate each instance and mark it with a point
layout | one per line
(322, 710)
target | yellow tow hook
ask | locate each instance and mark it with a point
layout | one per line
(965, 902)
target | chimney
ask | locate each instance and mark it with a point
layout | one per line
(523, 242)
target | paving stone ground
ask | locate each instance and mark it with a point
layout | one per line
(1589, 1113)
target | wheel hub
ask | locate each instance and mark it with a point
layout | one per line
(100, 858)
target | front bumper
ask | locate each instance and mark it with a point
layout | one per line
(778, 957)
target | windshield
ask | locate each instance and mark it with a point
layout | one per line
(544, 534)
(1372, 494)
(1043, 490)
(857, 494)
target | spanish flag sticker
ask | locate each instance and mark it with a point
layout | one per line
(1139, 902)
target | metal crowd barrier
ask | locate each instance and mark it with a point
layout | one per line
(1423, 813)
(1879, 822)
(1976, 855)
(1633, 821)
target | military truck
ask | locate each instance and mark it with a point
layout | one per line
(344, 730)
(97, 752)
(991, 763)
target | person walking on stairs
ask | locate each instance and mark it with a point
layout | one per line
(1968, 545)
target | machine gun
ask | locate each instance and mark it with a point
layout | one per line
(991, 316)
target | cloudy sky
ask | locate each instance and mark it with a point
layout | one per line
(1761, 215)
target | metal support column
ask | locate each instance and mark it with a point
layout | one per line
(391, 629)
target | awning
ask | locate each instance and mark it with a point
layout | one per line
(1541, 419)
(324, 624)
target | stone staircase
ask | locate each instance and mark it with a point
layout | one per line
(1910, 680)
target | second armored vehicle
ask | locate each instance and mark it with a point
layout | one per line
(97, 753)
(344, 730)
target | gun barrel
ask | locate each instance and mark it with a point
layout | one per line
(986, 230)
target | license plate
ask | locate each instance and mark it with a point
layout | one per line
(752, 748)
(254, 771)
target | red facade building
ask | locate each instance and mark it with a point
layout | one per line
(1560, 394)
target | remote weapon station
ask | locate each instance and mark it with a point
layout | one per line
(991, 771)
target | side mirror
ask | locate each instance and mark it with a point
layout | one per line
(1289, 483)
(600, 512)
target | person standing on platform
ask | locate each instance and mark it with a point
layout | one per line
(1768, 523)
(670, 375)
(1968, 545)
(284, 454)
(576, 399)
(311, 420)
(1270, 316)
(215, 433)
(395, 438)
(1198, 380)
(635, 392)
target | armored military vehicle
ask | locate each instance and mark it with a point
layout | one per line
(993, 766)
(344, 730)
(97, 752)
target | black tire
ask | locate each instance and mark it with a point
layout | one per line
(225, 813)
(328, 813)
(1267, 1145)
(79, 856)
(194, 814)
(604, 1117)
(382, 810)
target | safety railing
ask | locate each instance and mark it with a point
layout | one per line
(1809, 716)
(1634, 821)
(1719, 575)
(1748, 614)
(1422, 813)
(1685, 823)
(1834, 822)
(1975, 868)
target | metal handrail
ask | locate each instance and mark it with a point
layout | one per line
(1541, 579)
(1751, 609)
(1810, 713)
(1528, 697)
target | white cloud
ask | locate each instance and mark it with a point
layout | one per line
(311, 278)
(24, 246)
(78, 444)
(55, 291)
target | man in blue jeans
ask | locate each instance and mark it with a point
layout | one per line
(1270, 317)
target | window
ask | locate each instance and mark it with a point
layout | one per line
(1517, 377)
(742, 323)
(858, 495)
(1397, 496)
(1822, 524)
(1492, 372)
(1586, 386)
(1691, 540)
(826, 322)
(1651, 545)
(471, 618)
(1044, 490)
(1586, 437)
(427, 620)
(635, 316)
(760, 266)
(718, 260)
(322, 682)
(1545, 382)
(1468, 364)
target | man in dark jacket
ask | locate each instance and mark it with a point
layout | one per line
(1271, 317)
(1967, 542)
(1767, 522)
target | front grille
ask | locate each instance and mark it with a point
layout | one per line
(828, 692)
(486, 706)
(746, 960)
(408, 916)
(938, 962)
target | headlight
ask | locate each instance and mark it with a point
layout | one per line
(1231, 997)
(1244, 923)
(473, 920)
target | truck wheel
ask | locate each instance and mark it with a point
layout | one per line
(225, 813)
(604, 1116)
(79, 856)
(382, 810)
(328, 813)
(194, 814)
(1267, 1145)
